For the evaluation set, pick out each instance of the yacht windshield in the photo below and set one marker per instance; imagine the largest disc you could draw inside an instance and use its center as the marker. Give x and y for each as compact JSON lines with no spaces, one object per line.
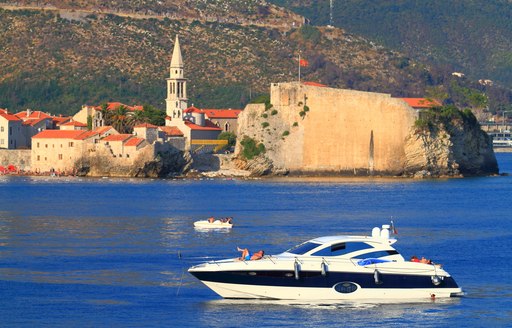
{"x":341,"y":249}
{"x":303,"y":248}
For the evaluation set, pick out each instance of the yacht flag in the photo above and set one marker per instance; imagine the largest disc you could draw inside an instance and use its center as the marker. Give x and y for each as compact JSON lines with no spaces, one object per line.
{"x":395,"y":232}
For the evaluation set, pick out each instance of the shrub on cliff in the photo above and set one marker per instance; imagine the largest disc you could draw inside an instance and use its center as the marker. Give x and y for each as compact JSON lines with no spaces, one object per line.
{"x":250,"y":148}
{"x":445,"y":116}
{"x":262,"y":99}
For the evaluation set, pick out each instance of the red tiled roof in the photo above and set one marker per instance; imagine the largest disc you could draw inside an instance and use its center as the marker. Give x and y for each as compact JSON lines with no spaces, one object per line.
{"x":33,"y":122}
{"x":61,"y":119}
{"x":134,"y":141}
{"x":117,"y":137}
{"x":146,"y":125}
{"x":74,"y":123}
{"x":222,"y":113}
{"x":421,"y":102}
{"x":10,"y":117}
{"x":193,"y":109}
{"x":314,"y":84}
{"x":96,"y":132}
{"x":104,"y":129}
{"x":87,"y":134}
{"x":208,"y":126}
{"x":58,"y":134}
{"x":32,"y":115}
{"x":171,"y":131}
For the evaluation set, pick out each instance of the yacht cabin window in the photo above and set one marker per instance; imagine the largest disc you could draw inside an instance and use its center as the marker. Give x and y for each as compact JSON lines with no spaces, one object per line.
{"x":303,"y":248}
{"x":341,"y":249}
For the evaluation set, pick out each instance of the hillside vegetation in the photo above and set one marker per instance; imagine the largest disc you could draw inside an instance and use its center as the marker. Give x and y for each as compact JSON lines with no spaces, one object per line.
{"x":69,"y":53}
{"x":469,"y":36}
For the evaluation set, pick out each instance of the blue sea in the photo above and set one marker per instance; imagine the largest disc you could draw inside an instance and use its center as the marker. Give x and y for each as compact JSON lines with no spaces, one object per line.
{"x":80,"y":252}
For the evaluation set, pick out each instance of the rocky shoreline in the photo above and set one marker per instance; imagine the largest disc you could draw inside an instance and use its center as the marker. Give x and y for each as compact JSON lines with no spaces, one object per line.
{"x":229,"y":166}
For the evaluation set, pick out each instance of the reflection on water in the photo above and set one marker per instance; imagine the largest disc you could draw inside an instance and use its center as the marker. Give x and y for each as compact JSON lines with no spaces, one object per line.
{"x":364,"y":304}
{"x":325,"y":314}
{"x":206,"y":231}
{"x":124,"y":246}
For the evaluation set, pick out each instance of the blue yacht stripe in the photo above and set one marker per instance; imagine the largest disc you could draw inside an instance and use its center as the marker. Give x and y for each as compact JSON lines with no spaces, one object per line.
{"x":315,"y":279}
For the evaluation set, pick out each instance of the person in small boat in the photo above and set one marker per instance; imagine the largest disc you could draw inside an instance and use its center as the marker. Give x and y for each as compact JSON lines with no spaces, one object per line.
{"x":227,"y":220}
{"x":258,"y":255}
{"x":211,"y":219}
{"x":246,"y":256}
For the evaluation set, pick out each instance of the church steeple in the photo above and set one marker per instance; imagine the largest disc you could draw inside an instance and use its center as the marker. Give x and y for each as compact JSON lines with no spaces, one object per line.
{"x":176,"y":101}
{"x":177,"y":59}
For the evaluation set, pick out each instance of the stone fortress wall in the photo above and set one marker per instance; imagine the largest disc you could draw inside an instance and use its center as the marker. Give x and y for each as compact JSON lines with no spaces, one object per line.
{"x":340,"y":131}
{"x":20,"y":158}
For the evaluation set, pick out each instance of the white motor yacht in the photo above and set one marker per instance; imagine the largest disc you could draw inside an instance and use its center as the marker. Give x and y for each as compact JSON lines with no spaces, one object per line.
{"x":501,"y":139}
{"x":330,"y":268}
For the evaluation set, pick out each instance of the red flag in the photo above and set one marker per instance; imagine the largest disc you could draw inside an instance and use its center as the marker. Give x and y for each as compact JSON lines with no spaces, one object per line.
{"x":303,"y":63}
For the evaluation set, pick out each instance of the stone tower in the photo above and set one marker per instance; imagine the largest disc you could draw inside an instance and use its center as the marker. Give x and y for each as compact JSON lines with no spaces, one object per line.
{"x":176,"y":101}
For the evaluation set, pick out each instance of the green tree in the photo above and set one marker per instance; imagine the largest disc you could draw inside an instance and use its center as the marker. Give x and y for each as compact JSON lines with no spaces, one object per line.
{"x":106,"y":114}
{"x":89,"y":122}
{"x":135,"y":118}
{"x":230,"y":137}
{"x":119,"y":119}
{"x":477,"y":100}
{"x":154,"y":116}
{"x":437,"y":93}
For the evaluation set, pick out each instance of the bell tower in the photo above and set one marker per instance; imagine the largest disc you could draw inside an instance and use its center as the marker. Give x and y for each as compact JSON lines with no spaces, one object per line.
{"x":176,"y":101}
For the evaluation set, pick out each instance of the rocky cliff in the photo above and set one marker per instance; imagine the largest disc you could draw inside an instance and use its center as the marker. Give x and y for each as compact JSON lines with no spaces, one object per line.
{"x":452,"y":144}
{"x":169,"y":163}
{"x":315,"y":130}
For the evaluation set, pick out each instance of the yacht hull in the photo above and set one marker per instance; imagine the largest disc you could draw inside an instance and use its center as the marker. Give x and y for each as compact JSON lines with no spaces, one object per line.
{"x":314,"y":285}
{"x":236,"y":291}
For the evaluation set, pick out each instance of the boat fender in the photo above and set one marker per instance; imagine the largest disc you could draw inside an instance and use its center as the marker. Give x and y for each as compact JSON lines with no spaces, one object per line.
{"x":296,"y":268}
{"x":436,"y":280}
{"x":376,"y":277}
{"x":324,"y":268}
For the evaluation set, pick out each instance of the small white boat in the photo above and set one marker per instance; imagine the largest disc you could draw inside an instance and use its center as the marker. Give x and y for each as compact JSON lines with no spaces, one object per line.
{"x":217,"y":224}
{"x":330,"y":268}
